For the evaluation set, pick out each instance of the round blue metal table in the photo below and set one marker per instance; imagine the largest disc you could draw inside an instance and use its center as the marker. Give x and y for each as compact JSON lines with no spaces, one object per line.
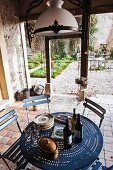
{"x":78,"y":157}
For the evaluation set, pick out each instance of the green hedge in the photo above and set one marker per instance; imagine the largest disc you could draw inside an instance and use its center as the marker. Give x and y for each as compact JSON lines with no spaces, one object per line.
{"x":59,"y":67}
{"x":35,"y":61}
{"x":40,"y":73}
{"x":33,"y":65}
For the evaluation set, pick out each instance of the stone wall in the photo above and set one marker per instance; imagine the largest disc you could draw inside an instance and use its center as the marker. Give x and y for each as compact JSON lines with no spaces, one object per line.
{"x":12,"y":33}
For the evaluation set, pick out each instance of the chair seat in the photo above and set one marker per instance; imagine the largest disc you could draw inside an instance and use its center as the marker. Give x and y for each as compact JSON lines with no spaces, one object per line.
{"x":15,"y":155}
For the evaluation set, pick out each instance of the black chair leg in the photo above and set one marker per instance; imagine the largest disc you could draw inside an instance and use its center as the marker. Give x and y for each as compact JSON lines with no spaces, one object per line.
{"x":6,"y":163}
{"x":110,"y":168}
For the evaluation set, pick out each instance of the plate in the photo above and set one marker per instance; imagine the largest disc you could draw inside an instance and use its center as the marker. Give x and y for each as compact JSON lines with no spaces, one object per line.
{"x":45,"y":121}
{"x":42,"y":119}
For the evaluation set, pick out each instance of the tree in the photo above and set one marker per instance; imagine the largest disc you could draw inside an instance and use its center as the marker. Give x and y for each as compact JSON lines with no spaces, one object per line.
{"x":72,"y":46}
{"x":93,"y":30}
{"x":61,"y":48}
{"x":58,"y":48}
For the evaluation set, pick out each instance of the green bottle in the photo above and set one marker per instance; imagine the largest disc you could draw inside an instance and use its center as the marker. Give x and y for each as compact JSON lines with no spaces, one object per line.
{"x":73,"y":120}
{"x":77,"y":138}
{"x":67,"y":135}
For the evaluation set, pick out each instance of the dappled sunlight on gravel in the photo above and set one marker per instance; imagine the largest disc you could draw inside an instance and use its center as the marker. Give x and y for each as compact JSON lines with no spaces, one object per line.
{"x":99,"y":82}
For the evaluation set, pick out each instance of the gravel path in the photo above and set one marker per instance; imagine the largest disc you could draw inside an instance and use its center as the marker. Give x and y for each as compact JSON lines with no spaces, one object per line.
{"x":99,"y":82}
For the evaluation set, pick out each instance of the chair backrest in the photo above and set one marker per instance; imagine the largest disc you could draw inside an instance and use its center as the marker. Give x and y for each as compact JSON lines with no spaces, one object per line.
{"x":13,"y":153}
{"x":8,"y":118}
{"x":36,"y":100}
{"x":96,"y":108}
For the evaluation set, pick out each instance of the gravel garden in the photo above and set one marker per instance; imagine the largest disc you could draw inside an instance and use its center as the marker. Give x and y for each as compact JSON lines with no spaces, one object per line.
{"x":99,"y":81}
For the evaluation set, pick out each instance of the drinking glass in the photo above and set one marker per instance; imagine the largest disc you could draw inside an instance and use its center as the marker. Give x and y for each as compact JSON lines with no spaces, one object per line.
{"x":34,"y":139}
{"x":35,"y":134}
{"x":28,"y":135}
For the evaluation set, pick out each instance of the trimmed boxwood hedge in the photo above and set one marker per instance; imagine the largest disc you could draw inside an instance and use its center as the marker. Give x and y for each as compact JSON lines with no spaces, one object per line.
{"x":35,"y":61}
{"x":60,"y":65}
{"x":58,"y":68}
{"x":40,"y":73}
{"x":33,"y":65}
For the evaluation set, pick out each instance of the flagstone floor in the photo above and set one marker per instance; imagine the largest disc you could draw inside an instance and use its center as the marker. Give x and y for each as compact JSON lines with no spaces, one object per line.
{"x":64,"y":103}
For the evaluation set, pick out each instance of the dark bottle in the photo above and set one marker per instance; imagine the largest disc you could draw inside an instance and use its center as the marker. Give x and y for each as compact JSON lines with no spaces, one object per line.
{"x":78,"y":135}
{"x":73,"y":121}
{"x":67,"y":135}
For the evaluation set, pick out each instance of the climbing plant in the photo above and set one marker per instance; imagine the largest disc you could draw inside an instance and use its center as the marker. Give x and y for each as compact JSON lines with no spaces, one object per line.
{"x":93,"y":30}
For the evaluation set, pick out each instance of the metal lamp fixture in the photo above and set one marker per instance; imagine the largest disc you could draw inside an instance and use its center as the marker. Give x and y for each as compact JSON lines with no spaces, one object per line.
{"x":55,"y":21}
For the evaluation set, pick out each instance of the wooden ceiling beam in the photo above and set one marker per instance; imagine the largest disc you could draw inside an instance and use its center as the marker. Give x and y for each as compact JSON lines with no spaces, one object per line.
{"x":94,"y":10}
{"x":76,"y":11}
{"x":102,"y":9}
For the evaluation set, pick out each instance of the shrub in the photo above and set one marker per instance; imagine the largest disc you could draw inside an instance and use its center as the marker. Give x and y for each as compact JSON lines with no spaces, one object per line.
{"x":41,"y":73}
{"x":39,"y":58}
{"x":60,"y":65}
{"x":101,"y":68}
{"x":69,"y":57}
{"x":55,"y":57}
{"x":111,"y":55}
{"x":31,"y":65}
{"x":54,"y":73}
{"x":31,"y":59}
{"x":35,"y":61}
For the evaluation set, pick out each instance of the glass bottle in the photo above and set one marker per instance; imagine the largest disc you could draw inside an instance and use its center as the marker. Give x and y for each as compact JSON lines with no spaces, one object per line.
{"x":34,"y":106}
{"x":73,"y":120}
{"x":67,"y":135}
{"x":78,"y":135}
{"x":34,"y":135}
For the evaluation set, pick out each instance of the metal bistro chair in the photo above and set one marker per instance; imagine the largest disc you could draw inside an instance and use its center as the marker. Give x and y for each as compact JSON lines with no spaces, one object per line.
{"x":97,"y":165}
{"x":34,"y":101}
{"x":13,"y":153}
{"x":96,"y":108}
{"x":100,"y":111}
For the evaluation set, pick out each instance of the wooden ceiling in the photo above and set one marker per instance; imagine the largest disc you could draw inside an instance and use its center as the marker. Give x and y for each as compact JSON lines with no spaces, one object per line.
{"x":96,"y":6}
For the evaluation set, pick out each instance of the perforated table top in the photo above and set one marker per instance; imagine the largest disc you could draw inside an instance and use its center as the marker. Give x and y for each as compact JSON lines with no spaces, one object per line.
{"x":79,"y":156}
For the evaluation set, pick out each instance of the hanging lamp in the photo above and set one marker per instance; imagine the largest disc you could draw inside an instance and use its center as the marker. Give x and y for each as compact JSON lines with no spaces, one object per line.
{"x":55,"y":21}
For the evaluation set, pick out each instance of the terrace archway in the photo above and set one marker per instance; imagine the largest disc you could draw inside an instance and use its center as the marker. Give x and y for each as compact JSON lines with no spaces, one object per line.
{"x":85,"y":8}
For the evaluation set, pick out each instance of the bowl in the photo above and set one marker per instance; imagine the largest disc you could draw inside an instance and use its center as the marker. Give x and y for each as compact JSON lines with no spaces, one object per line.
{"x":48,"y":147}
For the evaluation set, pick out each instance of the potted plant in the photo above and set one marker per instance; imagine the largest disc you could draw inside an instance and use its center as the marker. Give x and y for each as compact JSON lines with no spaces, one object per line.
{"x":82,"y":81}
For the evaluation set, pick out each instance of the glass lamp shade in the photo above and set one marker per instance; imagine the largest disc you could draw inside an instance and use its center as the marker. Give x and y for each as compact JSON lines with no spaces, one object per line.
{"x":55,"y":21}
